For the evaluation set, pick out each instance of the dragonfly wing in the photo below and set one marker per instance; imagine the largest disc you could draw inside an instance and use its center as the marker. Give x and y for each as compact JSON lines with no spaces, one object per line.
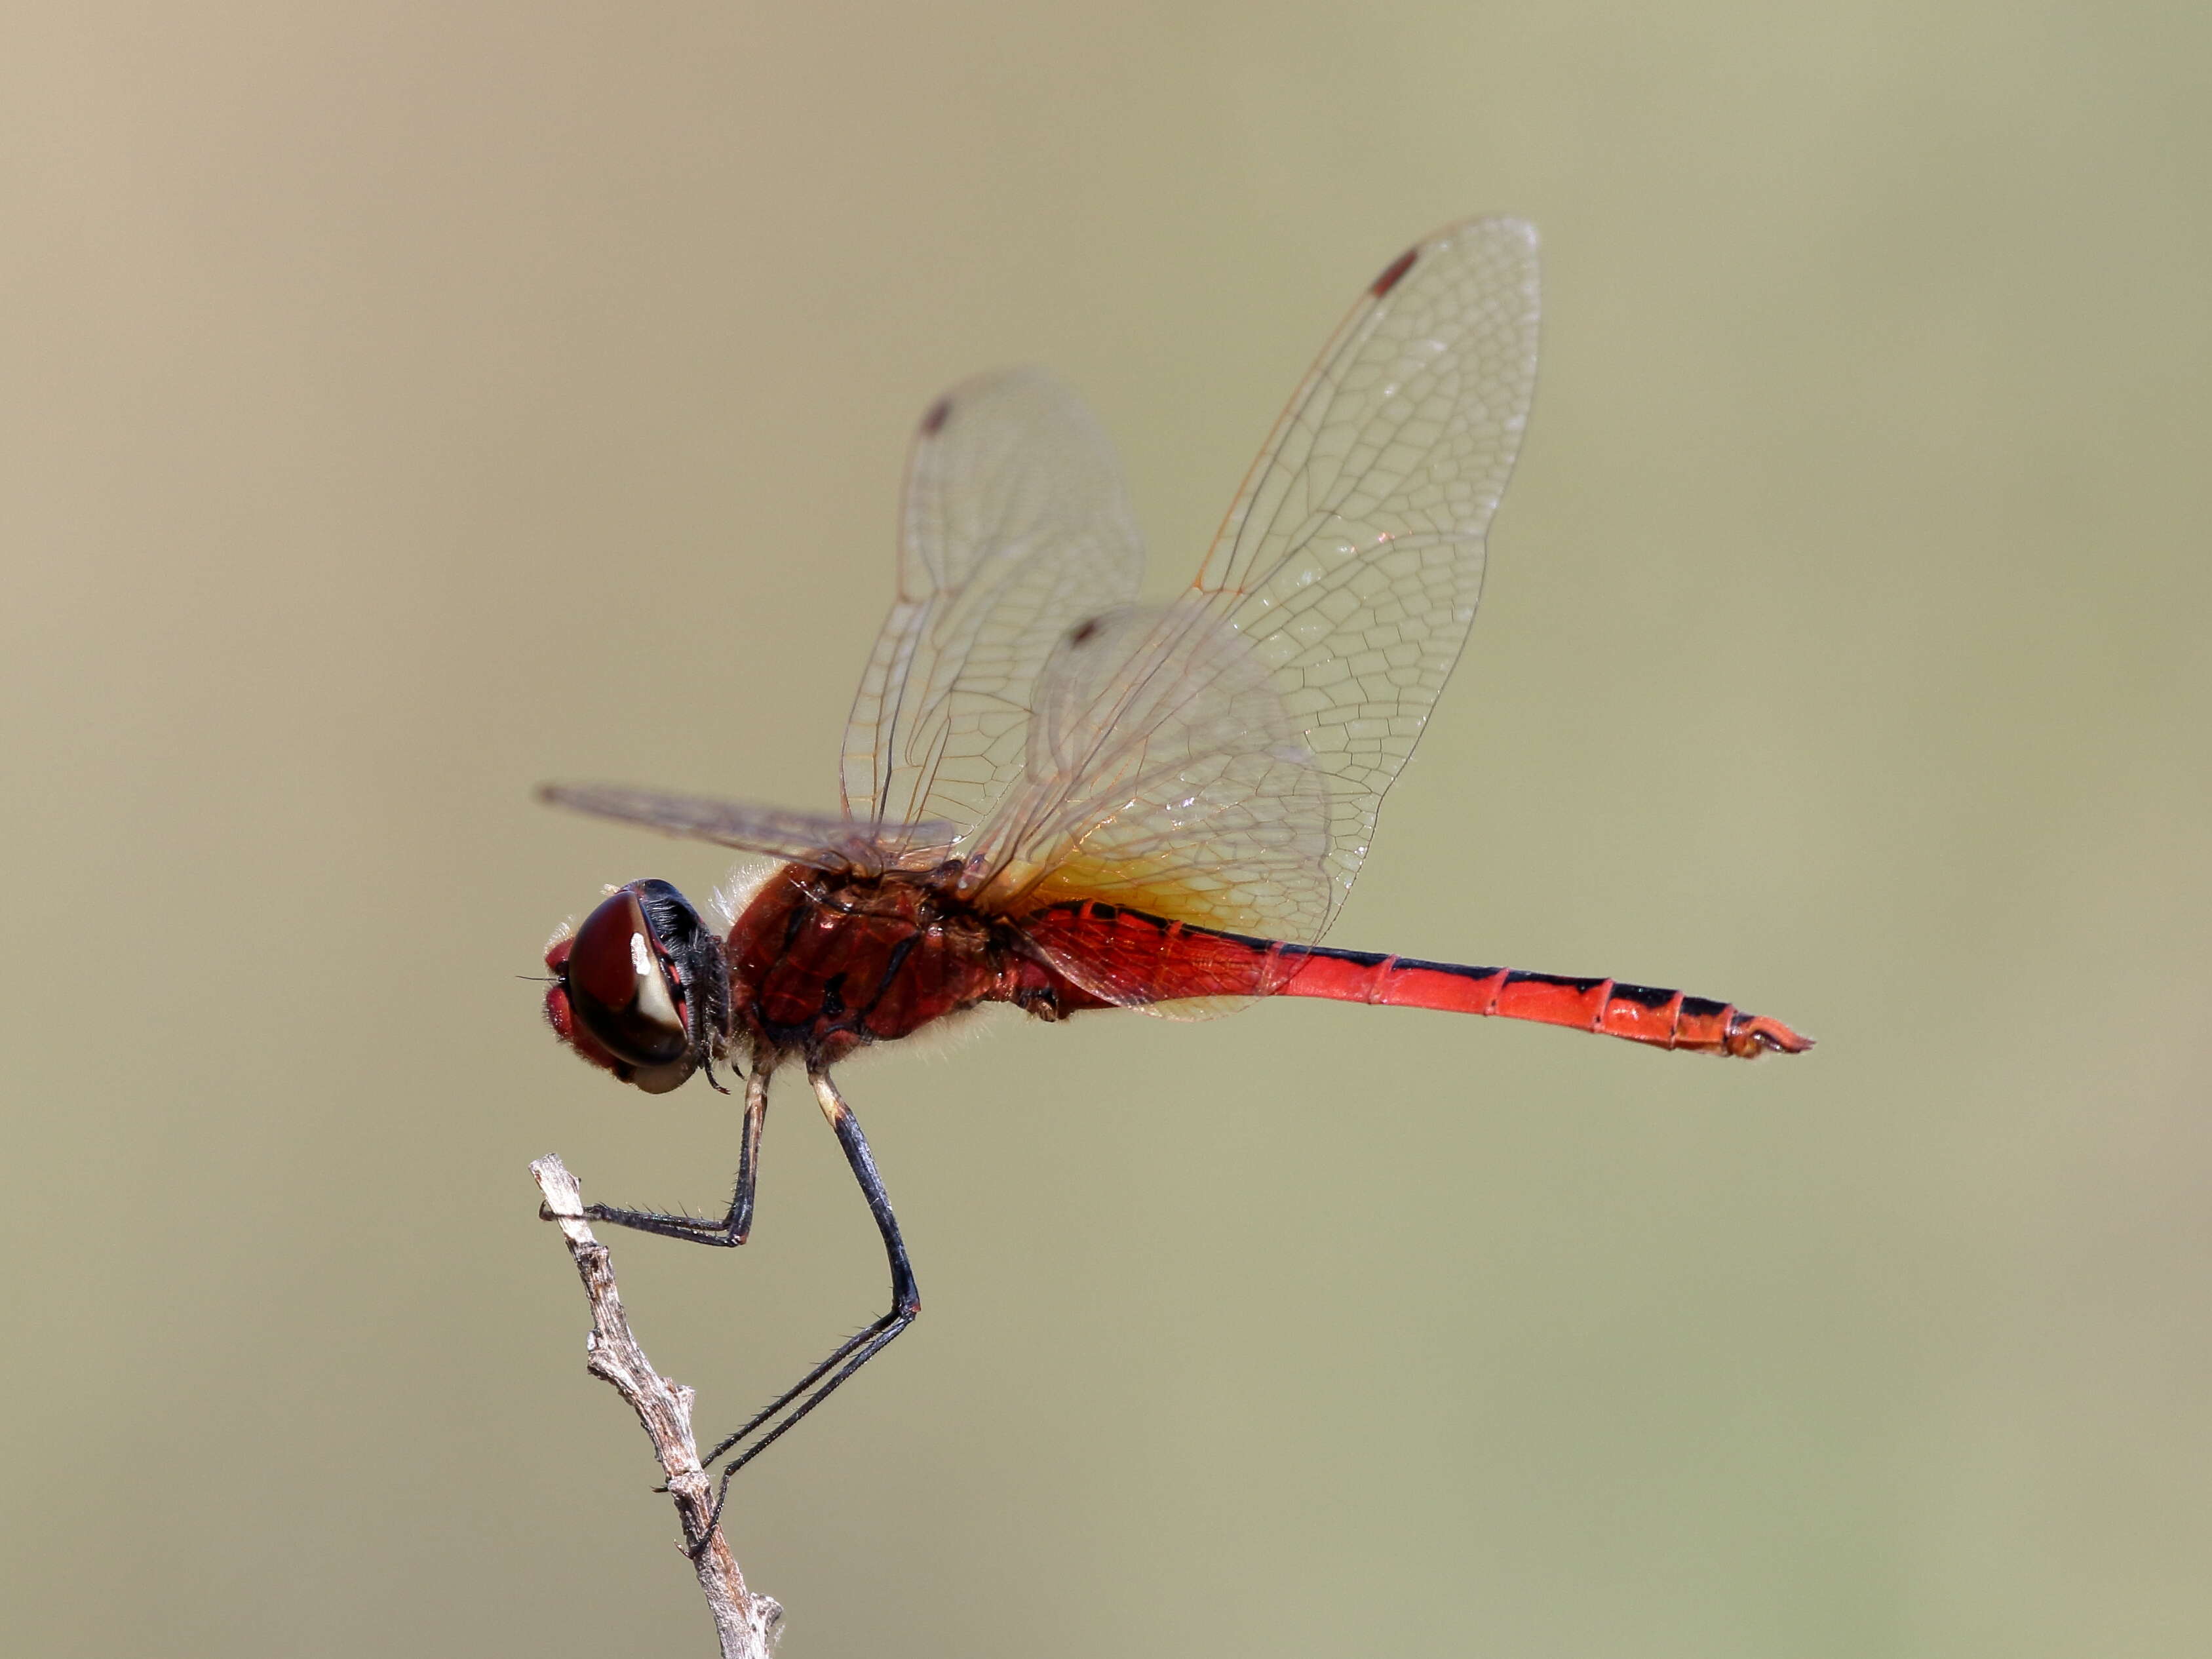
{"x":826,"y":842}
{"x":1015,"y":525}
{"x":1353,"y":557}
{"x":1163,"y":776}
{"x":1222,"y":759}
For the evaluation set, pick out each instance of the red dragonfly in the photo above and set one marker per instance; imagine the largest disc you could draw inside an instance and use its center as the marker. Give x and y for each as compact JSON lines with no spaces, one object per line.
{"x":1061,"y":798}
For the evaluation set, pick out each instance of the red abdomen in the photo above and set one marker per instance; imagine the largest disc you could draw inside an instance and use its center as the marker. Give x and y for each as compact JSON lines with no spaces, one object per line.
{"x":1140,"y":958}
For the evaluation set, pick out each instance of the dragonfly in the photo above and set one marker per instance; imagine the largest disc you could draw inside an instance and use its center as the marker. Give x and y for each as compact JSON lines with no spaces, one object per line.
{"x":1056,"y":797}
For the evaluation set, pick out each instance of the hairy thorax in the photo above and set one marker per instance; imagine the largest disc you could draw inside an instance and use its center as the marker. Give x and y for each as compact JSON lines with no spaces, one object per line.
{"x":822,"y":963}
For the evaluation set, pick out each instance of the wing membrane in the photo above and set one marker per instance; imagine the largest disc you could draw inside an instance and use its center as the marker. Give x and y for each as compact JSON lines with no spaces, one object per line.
{"x":826,"y":842}
{"x":1165,"y":776}
{"x":1353,"y":557}
{"x":1223,"y":761}
{"x":1015,"y":525}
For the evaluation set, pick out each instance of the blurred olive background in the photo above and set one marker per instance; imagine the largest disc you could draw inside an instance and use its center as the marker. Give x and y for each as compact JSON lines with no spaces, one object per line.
{"x":404,"y":404}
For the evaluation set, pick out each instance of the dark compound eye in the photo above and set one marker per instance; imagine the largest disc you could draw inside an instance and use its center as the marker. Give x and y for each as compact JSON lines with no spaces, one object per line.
{"x":620,"y":983}
{"x":644,"y":980}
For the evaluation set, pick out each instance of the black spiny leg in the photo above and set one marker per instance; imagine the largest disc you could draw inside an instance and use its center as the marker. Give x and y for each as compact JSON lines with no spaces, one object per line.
{"x":731,"y":1229}
{"x":856,"y":1350}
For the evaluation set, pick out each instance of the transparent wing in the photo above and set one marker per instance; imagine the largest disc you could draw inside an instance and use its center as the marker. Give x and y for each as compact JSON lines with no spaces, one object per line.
{"x":1239,"y":743}
{"x":1164,"y":775}
{"x":1353,"y":557}
{"x":826,"y":842}
{"x":1015,"y":525}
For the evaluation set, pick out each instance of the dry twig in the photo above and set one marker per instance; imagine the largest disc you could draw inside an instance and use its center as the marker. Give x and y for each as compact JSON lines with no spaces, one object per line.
{"x":747,"y":1622}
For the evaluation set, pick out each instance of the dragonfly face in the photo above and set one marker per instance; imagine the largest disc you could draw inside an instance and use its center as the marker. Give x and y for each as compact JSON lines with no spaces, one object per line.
{"x":642,"y":988}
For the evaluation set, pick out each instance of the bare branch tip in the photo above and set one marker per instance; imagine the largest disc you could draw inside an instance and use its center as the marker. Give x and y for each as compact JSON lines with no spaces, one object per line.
{"x":557,"y":1184}
{"x":748,"y":1624}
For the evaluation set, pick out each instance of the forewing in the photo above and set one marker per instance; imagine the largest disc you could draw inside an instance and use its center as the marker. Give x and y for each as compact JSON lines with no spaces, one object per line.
{"x":1015,"y":525}
{"x":1221,"y":761}
{"x":829,"y":843}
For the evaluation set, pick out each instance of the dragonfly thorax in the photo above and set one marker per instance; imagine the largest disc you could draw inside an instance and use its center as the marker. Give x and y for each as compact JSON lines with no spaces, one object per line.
{"x":822,"y":963}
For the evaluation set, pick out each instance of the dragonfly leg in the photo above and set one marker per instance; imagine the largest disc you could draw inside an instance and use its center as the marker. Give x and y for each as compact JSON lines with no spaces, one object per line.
{"x":782,"y":1414}
{"x":733,"y":1229}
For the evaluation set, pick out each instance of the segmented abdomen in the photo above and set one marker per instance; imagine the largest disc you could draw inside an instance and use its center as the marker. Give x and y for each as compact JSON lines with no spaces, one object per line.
{"x":1641,"y":1013}
{"x":1128,"y":957}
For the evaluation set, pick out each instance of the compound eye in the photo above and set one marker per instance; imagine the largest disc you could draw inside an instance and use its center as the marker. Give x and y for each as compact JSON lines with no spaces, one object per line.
{"x":622,"y":990}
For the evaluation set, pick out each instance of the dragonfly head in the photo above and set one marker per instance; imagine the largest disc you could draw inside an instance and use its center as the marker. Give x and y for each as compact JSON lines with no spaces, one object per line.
{"x":642,"y":988}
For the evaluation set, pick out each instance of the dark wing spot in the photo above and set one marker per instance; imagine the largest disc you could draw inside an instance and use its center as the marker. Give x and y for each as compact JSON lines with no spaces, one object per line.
{"x":933,"y":423}
{"x":1084,"y":631}
{"x":1394,"y":272}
